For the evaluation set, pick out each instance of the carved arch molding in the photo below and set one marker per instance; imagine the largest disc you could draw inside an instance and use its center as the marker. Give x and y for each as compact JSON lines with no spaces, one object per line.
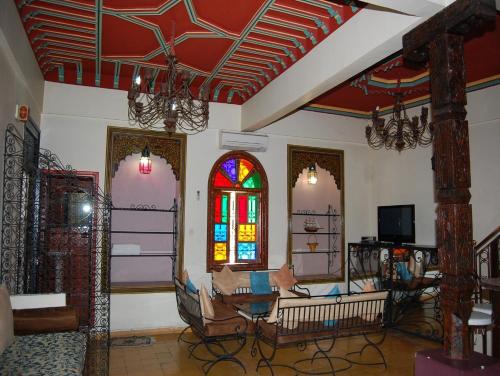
{"x":125,"y":144}
{"x":332,"y":162}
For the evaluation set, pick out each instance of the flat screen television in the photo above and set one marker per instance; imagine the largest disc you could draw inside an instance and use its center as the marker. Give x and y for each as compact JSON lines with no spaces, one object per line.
{"x":396,"y":223}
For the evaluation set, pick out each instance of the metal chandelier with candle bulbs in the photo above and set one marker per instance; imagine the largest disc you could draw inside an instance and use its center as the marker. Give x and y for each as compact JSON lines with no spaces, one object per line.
{"x":400,"y":132}
{"x":170,"y":104}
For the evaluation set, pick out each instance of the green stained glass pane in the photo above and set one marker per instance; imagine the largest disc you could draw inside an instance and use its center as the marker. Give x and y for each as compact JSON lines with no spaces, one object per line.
{"x":252,"y":209}
{"x":224,"y":208}
{"x":253,"y":181}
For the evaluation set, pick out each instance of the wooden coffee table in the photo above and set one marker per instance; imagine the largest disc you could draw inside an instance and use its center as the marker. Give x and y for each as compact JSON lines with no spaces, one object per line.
{"x":254,"y":310}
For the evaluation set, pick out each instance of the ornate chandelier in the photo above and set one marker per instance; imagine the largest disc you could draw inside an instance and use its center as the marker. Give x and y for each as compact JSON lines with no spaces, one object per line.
{"x":400,"y":132}
{"x":173,"y":103}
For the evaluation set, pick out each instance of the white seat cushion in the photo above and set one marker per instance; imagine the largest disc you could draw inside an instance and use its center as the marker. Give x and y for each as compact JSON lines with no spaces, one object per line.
{"x":479,"y":319}
{"x":483,"y":308}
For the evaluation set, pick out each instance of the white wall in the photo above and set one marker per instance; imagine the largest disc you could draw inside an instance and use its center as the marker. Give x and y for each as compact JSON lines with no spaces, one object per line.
{"x":484,"y":121}
{"x":74,"y":125}
{"x":21,"y":80}
{"x":407,"y":177}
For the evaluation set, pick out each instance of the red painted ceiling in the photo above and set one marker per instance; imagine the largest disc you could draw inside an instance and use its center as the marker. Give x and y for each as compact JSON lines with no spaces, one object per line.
{"x":238,"y":46}
{"x":376,"y":86}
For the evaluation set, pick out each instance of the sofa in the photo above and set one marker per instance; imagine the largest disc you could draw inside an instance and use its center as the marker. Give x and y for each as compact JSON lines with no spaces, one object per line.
{"x":40,"y":341}
{"x":296,"y":321}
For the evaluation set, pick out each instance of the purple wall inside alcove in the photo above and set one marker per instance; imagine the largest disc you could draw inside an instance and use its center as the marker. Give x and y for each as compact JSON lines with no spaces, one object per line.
{"x":131,"y":188}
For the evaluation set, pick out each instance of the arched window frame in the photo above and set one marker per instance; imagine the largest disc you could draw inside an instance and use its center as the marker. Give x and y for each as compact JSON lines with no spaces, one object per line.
{"x":261,"y":261}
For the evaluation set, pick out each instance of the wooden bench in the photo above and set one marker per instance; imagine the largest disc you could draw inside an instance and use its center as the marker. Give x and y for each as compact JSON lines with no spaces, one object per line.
{"x":320,"y":320}
{"x":223,"y":336}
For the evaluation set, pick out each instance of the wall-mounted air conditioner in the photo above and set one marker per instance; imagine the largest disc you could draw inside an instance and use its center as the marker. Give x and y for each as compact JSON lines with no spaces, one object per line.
{"x":243,"y":141}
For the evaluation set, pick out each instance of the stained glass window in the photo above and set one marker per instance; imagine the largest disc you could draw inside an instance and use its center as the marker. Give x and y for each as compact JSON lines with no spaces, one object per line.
{"x":253,"y":181}
{"x":245,"y":168}
{"x":246,"y":233}
{"x":220,"y":253}
{"x":229,"y":167}
{"x":220,"y":233}
{"x":237,"y":191}
{"x":222,"y":181}
{"x":246,"y":251}
{"x":242,"y":209}
{"x":224,"y":209}
{"x":217,"y":209}
{"x":252,"y":209}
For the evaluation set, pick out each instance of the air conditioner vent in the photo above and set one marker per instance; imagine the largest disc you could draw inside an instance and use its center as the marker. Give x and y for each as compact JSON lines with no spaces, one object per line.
{"x":243,"y":141}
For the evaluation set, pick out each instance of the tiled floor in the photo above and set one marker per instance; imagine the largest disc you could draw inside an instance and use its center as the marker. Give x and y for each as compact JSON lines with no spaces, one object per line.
{"x":168,"y":357}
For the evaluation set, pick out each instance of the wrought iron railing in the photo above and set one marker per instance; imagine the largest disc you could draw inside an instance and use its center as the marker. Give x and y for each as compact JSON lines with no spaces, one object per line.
{"x":410,"y":273}
{"x":486,"y":261}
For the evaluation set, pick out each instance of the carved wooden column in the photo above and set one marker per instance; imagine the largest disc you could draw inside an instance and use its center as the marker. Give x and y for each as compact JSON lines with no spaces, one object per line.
{"x":440,"y":39}
{"x":451,"y":184}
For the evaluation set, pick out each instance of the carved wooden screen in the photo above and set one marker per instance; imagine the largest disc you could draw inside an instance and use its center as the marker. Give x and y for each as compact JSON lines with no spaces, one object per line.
{"x":237,"y":214}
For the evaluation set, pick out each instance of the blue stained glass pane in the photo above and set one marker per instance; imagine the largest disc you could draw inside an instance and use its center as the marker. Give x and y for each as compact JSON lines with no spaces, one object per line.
{"x":246,"y":251}
{"x":229,"y":167}
{"x":220,"y":233}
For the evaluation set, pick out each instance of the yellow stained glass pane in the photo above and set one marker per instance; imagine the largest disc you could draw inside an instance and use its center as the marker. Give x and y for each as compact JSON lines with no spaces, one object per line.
{"x":220,"y":252}
{"x":245,"y":168}
{"x":246,"y":233}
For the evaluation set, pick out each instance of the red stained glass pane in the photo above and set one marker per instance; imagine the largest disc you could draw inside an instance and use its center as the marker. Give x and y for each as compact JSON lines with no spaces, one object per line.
{"x":242,"y":209}
{"x":217,"y":209}
{"x":222,"y":181}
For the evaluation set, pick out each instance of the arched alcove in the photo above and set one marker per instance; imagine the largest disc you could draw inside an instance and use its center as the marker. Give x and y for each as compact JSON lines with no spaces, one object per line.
{"x":146,"y":236}
{"x":315,"y":213}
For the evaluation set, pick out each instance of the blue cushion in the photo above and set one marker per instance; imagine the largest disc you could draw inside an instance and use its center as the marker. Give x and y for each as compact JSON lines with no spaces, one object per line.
{"x":403,"y":271}
{"x":334,"y":291}
{"x":329,"y":323}
{"x":191,"y":287}
{"x":259,"y":283}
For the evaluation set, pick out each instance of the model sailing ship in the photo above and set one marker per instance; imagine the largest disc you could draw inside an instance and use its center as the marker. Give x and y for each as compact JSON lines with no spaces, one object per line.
{"x":311,"y":224}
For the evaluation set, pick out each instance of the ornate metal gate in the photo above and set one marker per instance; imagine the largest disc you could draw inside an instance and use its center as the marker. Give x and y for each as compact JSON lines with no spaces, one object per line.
{"x":55,"y":238}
